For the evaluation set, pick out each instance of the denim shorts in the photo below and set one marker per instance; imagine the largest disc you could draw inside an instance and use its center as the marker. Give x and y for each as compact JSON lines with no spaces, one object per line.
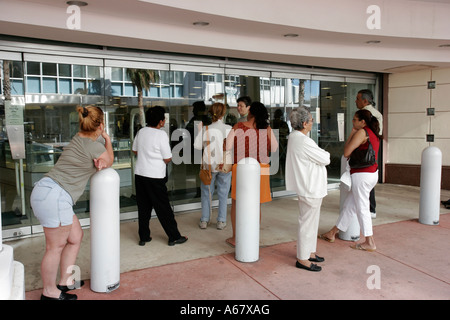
{"x":51,"y":204}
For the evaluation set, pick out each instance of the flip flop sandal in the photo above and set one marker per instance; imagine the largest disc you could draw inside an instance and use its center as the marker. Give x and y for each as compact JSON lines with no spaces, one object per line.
{"x":228,"y":241}
{"x":358,"y":246}
{"x":323,"y":237}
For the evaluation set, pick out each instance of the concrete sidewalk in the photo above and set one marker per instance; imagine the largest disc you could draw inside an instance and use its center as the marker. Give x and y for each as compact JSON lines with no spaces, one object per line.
{"x":411,"y":262}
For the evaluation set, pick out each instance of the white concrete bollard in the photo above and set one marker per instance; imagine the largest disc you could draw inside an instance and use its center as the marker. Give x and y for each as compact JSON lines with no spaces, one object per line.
{"x":105,"y":230}
{"x":247,"y":210}
{"x":12,"y":275}
{"x":1,"y":225}
{"x":430,"y":186}
{"x":353,"y":231}
{"x":6,"y":272}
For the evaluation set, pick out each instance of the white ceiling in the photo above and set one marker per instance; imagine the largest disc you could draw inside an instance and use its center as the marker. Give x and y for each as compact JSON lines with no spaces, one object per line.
{"x":331,"y":33}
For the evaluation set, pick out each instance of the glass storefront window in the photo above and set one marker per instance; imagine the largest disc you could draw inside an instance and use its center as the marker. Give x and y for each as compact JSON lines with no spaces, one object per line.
{"x":330,"y":102}
{"x":13,"y":213}
{"x":53,"y":90}
{"x":33,"y":68}
{"x":47,"y":78}
{"x":65,"y":70}
{"x":79,"y":71}
{"x":116,"y":74}
{"x":333,"y":103}
{"x":49,"y":85}
{"x":33,"y":85}
{"x":199,"y":91}
{"x":49,"y":69}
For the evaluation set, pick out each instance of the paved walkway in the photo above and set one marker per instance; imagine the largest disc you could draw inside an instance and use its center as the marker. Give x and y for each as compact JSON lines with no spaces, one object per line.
{"x":411,"y":262}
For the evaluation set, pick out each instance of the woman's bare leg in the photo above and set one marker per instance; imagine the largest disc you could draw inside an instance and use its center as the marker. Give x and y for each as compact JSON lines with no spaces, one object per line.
{"x":55,"y":242}
{"x":70,"y":252}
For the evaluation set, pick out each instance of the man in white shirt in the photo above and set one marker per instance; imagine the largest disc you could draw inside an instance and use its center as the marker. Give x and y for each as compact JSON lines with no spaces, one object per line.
{"x":151,"y":145}
{"x":364,"y":100}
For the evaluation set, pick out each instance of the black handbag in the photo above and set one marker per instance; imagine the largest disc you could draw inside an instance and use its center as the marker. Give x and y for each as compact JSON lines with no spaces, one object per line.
{"x":362,"y":158}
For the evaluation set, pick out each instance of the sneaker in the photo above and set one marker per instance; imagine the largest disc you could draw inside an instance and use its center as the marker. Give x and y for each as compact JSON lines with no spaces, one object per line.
{"x":374,"y":215}
{"x":221,"y":225}
{"x":203,"y":224}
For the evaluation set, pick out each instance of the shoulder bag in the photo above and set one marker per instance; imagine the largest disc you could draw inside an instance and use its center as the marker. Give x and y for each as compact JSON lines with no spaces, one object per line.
{"x":362,"y":158}
{"x":205,"y":169}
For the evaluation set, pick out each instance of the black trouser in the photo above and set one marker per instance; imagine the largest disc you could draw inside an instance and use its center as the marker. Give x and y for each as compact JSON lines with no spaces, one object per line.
{"x":151,"y":193}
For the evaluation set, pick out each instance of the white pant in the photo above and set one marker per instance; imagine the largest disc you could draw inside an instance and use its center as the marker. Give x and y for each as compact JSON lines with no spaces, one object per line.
{"x":308,"y":225}
{"x":357,"y":203}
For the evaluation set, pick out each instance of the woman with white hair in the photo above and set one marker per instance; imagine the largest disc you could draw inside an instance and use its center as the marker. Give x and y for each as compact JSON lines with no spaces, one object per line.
{"x":307,"y":176}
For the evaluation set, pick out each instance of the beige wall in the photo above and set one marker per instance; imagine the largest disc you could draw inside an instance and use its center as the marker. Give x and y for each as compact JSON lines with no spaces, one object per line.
{"x":408,"y":123}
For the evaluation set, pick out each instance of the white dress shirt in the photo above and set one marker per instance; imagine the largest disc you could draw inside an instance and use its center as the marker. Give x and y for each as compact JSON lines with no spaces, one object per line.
{"x":306,"y":174}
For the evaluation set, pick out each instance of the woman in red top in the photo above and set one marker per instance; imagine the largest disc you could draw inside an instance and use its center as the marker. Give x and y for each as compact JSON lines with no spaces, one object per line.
{"x":363,"y":180}
{"x":253,"y":138}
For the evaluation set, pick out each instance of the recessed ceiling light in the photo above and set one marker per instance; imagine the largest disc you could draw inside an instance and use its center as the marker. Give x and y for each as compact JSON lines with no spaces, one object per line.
{"x":201,"y":23}
{"x":77,"y":3}
{"x":373,"y":41}
{"x":447,"y":45}
{"x":290,"y":35}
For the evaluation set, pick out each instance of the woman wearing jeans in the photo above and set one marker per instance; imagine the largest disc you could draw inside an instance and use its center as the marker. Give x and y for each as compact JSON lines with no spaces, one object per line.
{"x":365,"y":127}
{"x":214,"y":135}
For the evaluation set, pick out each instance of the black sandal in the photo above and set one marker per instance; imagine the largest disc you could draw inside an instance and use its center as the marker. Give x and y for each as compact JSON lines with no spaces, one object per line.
{"x":317,"y":259}
{"x":62,"y":296}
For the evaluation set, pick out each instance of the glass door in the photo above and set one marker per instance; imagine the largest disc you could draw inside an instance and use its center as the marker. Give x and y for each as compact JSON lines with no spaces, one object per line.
{"x":54,"y":87}
{"x":331,"y":137}
{"x":189,"y":106}
{"x":125,"y":108}
{"x":331,"y":100}
{"x":287,"y":94}
{"x":15,"y":217}
{"x":337,"y":106}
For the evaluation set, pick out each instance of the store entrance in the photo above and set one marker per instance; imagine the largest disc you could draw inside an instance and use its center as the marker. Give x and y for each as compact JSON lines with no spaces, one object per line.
{"x":49,"y":87}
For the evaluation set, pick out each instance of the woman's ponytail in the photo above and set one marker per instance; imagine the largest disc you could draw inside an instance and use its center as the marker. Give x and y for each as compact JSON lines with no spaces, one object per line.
{"x":89,"y":118}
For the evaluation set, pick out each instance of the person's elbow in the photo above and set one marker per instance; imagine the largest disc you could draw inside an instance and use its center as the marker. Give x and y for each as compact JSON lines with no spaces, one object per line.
{"x":347,"y":153}
{"x":166,"y":161}
{"x":109,"y":162}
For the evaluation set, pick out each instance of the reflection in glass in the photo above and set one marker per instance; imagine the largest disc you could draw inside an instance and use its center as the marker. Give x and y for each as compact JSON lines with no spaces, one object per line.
{"x":33,"y":68}
{"x":79,"y":86}
{"x":49,"y":69}
{"x":117,"y":74}
{"x":186,"y":96}
{"x":65,"y":70}
{"x":49,"y":85}
{"x":79,"y":71}
{"x":34,"y":85}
